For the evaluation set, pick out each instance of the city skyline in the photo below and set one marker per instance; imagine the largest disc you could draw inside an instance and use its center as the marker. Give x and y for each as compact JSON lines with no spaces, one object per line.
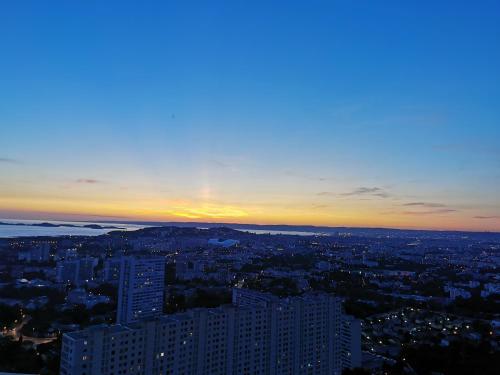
{"x":336,"y":114}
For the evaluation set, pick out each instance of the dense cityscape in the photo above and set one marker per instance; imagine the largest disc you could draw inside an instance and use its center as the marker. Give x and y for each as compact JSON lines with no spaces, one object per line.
{"x":186,"y":300}
{"x":235,"y":187}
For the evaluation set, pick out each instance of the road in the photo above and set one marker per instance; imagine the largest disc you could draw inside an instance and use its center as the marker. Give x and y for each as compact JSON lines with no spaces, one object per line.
{"x":15,"y":333}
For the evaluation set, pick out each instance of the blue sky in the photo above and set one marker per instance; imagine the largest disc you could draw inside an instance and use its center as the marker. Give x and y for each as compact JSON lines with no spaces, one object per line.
{"x":322,"y":112}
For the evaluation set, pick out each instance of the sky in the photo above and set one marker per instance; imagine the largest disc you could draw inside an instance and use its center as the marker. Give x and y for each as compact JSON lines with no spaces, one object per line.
{"x":338,"y":113}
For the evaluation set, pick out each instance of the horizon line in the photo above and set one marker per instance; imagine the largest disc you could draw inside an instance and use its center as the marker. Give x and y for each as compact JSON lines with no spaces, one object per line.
{"x":228,"y":224}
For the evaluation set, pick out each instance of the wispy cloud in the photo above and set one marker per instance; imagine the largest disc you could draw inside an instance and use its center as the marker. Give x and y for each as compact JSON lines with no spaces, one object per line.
{"x":360,"y":192}
{"x":494,"y":217}
{"x":219,"y":163}
{"x":472,"y":147}
{"x":326,"y":194}
{"x":223,"y":165}
{"x":299,"y":175}
{"x":208,"y":211}
{"x":424,"y":204}
{"x":8,"y":160}
{"x":372,"y":191}
{"x":88,"y":181}
{"x":319,"y":206}
{"x":430,"y":212}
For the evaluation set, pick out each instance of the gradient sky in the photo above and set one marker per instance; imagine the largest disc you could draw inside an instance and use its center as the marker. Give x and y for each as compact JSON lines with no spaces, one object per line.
{"x":359,"y":113}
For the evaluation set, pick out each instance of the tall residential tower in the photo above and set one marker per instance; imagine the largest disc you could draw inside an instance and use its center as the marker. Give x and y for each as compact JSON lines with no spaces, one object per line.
{"x":142,"y":285}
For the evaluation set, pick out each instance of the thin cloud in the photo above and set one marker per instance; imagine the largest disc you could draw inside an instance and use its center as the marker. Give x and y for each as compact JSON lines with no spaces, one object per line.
{"x":361,"y":192}
{"x":9,"y":160}
{"x":430,"y":212}
{"x":223,"y":165}
{"x":373,"y":191}
{"x":382,"y":195}
{"x":494,"y":217}
{"x":219,"y":163}
{"x":88,"y":181}
{"x":424,"y":204}
{"x":319,"y":206}
{"x":324,"y":178}
{"x":473,"y":147}
{"x":326,"y":194}
{"x":208,"y":212}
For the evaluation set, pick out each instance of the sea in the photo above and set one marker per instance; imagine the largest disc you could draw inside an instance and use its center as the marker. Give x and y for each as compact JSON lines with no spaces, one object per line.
{"x":29,"y":230}
{"x":78,"y":229}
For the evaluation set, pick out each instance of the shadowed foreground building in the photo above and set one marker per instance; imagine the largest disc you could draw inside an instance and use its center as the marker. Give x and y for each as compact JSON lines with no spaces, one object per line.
{"x":257,"y":334}
{"x":350,"y":336}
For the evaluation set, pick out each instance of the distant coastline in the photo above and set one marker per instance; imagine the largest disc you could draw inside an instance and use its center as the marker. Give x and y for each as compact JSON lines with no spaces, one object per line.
{"x":52,"y":225}
{"x":17,"y":228}
{"x":11,"y":228}
{"x":312,"y":229}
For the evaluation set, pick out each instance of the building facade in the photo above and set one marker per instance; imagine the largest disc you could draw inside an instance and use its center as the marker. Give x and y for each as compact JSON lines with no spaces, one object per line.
{"x":76,"y":271}
{"x":111,"y":272}
{"x":141,"y":290}
{"x":350,"y":335}
{"x":269,"y":336}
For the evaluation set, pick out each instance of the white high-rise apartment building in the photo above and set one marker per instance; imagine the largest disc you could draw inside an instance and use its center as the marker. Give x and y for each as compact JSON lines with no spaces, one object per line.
{"x":141,"y":290}
{"x":258,"y":335}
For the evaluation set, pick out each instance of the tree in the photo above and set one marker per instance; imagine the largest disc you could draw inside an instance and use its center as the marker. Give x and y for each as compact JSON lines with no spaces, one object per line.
{"x":355,"y":371}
